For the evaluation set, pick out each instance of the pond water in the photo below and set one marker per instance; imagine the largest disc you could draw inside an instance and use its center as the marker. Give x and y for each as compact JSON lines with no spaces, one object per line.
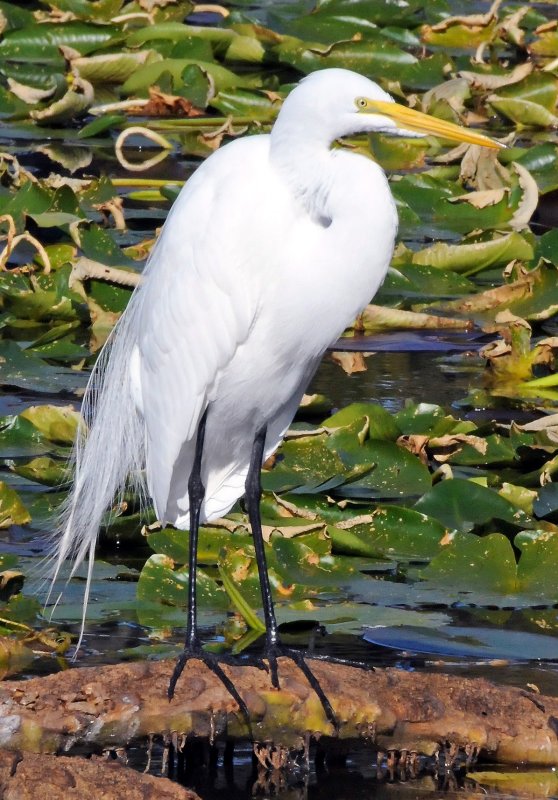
{"x":430,"y":368}
{"x":400,"y":368}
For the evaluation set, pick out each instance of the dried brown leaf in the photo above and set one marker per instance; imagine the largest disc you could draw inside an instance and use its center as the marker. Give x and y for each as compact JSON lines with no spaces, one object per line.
{"x":469,"y":20}
{"x":350,"y":362}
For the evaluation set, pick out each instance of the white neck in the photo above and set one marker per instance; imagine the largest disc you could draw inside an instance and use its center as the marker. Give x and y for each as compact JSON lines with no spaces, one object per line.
{"x":305,"y":162}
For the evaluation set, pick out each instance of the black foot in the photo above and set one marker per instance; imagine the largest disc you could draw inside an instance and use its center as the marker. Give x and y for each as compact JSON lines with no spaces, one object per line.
{"x":213,"y":662}
{"x":273,"y":652}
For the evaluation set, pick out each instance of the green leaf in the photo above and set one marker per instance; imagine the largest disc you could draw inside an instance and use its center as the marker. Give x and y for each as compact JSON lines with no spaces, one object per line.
{"x":238,"y":601}
{"x":331,"y":20}
{"x":40,"y":43}
{"x":19,"y":438}
{"x":475,"y":257}
{"x":415,"y":282}
{"x":196,"y":86}
{"x":395,"y":473}
{"x":150,"y":74}
{"x":177,"y":31}
{"x":245,"y":102}
{"x":25,"y":370}
{"x":59,"y":424}
{"x":426,"y":419}
{"x":15,"y":15}
{"x":100,"y":245}
{"x":12,"y":510}
{"x":538,"y":563}
{"x":463,"y":505}
{"x":474,"y":564}
{"x":43,"y":470}
{"x":380,"y":422}
{"x":101,"y":10}
{"x":160,"y":581}
{"x":73,"y":104}
{"x":111,"y":67}
{"x":105,"y":123}
{"x":306,"y":463}
{"x":212,"y":540}
{"x":523,"y":112}
{"x":389,"y":531}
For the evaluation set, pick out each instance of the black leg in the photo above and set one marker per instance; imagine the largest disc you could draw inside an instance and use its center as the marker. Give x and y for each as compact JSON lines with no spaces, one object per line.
{"x":192,"y":648}
{"x":253,"y":497}
{"x":196,"y":494}
{"x":273,"y":648}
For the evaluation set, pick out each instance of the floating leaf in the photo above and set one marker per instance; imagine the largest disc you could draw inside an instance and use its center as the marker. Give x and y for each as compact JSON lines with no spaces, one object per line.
{"x":12,"y":510}
{"x":477,"y":256}
{"x":40,"y":43}
{"x":379,"y":423}
{"x":389,"y":531}
{"x":57,"y":423}
{"x":74,"y":103}
{"x":160,"y":581}
{"x":462,"y":505}
{"x":473,"y":563}
{"x":43,"y":470}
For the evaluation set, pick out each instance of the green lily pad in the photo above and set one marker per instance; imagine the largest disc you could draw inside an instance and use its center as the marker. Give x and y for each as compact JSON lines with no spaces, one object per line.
{"x":380,"y":423}
{"x":43,"y":470}
{"x":463,"y":505}
{"x":57,"y":423}
{"x":212,"y":540}
{"x":160,"y":581}
{"x":474,"y":563}
{"x":19,"y":438}
{"x":395,"y":473}
{"x":394,"y":532}
{"x":307,"y":464}
{"x":40,"y":43}
{"x":12,"y":510}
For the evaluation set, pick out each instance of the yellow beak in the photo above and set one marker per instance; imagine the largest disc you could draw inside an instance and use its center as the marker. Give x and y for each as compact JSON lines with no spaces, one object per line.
{"x":417,"y":122}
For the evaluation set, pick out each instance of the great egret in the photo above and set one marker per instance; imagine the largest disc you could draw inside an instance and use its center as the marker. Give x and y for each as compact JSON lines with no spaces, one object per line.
{"x":273,"y":246}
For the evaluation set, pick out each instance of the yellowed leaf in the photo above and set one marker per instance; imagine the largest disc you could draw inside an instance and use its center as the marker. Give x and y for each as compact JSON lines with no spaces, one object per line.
{"x":469,"y":20}
{"x":481,"y":199}
{"x":290,"y":531}
{"x":482,"y":171}
{"x":415,"y":443}
{"x":350,"y":362}
{"x":29,"y":94}
{"x":376,"y":318}
{"x":291,"y":510}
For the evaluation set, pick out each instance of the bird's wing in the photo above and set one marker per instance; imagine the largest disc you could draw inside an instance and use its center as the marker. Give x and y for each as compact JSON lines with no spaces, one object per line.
{"x":198,"y":304}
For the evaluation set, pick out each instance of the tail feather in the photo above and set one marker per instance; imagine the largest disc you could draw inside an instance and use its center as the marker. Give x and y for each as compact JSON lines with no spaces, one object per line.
{"x":108,"y":453}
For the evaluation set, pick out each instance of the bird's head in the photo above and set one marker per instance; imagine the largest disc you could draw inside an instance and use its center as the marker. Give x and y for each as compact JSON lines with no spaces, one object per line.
{"x":332,"y":103}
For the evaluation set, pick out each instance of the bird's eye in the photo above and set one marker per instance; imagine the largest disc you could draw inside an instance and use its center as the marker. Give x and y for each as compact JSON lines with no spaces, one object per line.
{"x":361,"y":102}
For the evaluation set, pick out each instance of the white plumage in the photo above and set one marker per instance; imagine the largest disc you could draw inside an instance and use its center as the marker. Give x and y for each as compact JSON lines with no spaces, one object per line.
{"x":272,"y":248}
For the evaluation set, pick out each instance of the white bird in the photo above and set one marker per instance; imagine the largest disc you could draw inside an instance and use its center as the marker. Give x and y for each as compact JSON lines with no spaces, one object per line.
{"x":272,"y":248}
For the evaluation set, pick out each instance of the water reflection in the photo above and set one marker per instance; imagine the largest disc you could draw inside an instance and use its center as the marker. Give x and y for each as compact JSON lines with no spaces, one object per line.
{"x":391,"y":379}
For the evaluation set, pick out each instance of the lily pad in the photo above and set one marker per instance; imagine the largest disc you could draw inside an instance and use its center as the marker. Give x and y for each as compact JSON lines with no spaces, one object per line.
{"x":12,"y":510}
{"x":471,"y":642}
{"x":463,"y":505}
{"x":390,"y":531}
{"x":160,"y":581}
